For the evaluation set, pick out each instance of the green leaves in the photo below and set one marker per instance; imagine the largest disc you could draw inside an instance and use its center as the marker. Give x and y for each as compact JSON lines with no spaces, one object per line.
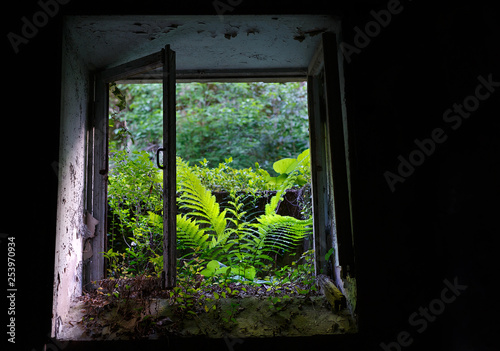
{"x":253,"y":122}
{"x":276,"y":234}
{"x":233,"y":245}
{"x":214,"y":268}
{"x":290,"y":168}
{"x":285,"y":166}
{"x":135,"y":199}
{"x":236,"y":235}
{"x":140,"y":120}
{"x":203,"y":209}
{"x":329,"y":253}
{"x":189,"y":231}
{"x":121,"y":102}
{"x":225,"y":177}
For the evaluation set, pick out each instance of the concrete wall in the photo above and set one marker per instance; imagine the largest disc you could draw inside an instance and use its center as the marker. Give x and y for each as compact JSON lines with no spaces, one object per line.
{"x":71,"y":192}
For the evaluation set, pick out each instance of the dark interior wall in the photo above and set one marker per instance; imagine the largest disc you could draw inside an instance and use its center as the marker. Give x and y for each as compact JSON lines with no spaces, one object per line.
{"x":438,"y":224}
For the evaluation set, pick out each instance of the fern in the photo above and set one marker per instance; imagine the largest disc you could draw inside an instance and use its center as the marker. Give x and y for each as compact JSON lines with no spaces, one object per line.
{"x":204,"y":208}
{"x":225,"y":235}
{"x":276,"y":234}
{"x":191,"y":233}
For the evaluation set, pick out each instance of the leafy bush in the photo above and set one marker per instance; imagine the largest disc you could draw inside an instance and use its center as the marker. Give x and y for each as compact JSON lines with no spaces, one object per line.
{"x":226,"y":178}
{"x":253,"y":122}
{"x":224,"y":236}
{"x":136,"y":122}
{"x":134,"y":190}
{"x":231,"y":235}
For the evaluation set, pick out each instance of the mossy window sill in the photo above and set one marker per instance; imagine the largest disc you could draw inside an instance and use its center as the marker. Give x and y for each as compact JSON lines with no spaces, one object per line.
{"x":248,"y":317}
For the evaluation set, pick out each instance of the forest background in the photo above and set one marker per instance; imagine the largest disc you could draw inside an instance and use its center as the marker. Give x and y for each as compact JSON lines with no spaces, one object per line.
{"x":250,"y":122}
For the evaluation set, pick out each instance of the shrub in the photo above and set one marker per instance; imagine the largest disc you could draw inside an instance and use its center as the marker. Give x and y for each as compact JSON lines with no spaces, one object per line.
{"x":253,"y":122}
{"x":236,"y":237}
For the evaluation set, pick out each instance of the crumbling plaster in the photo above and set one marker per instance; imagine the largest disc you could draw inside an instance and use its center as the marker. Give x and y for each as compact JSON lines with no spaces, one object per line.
{"x":201,"y":42}
{"x":71,"y":169}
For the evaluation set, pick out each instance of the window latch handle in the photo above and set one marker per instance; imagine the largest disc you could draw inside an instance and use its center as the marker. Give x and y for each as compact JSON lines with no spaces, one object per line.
{"x":158,"y":158}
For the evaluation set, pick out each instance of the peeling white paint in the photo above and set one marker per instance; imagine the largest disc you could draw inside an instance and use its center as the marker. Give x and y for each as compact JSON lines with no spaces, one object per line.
{"x":202,"y":42}
{"x":71,"y":171}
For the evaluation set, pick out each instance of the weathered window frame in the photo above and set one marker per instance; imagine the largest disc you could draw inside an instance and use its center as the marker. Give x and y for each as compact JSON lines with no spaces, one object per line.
{"x":328,"y":142}
{"x":97,"y":177}
{"x":332,"y":205}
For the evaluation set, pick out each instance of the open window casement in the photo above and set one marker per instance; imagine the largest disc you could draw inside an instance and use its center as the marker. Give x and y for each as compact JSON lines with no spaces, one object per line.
{"x":94,"y":267}
{"x":333,"y":243}
{"x":333,"y":239}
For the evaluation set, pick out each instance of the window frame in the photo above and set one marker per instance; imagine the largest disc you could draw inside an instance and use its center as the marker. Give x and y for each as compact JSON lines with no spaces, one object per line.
{"x":329,"y":156}
{"x":98,"y":161}
{"x":330,"y":164}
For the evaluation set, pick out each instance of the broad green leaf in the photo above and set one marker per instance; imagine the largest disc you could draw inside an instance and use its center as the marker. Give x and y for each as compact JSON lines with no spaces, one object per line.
{"x":285,"y":165}
{"x":303,"y":155}
{"x":212,"y":266}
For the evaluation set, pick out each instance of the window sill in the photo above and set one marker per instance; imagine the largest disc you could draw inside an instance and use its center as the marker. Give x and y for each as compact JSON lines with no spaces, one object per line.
{"x":248,"y":317}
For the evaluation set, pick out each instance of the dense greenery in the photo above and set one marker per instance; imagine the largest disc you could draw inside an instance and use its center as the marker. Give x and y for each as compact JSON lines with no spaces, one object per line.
{"x":235,"y":240}
{"x":258,"y":124}
{"x":134,"y":189}
{"x":209,"y":233}
{"x":252,"y":122}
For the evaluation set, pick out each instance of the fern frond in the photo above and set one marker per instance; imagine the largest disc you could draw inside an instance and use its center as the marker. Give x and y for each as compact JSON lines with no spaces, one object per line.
{"x":203,"y":207}
{"x":233,"y":235}
{"x":283,"y":232}
{"x":276,"y":234}
{"x":190,"y":232}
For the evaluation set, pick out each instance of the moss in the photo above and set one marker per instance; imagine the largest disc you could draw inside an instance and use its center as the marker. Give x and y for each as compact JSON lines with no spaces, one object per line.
{"x":350,"y":291}
{"x":234,"y":317}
